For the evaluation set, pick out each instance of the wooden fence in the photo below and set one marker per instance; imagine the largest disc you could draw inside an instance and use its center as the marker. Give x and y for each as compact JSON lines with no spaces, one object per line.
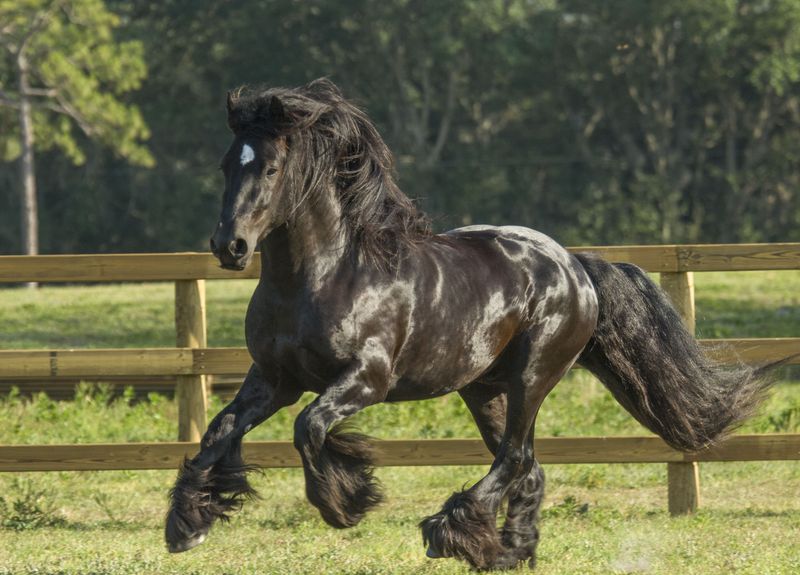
{"x":191,"y":360}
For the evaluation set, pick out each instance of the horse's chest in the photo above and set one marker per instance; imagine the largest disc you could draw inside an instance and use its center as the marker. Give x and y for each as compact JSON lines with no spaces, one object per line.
{"x":297,"y":344}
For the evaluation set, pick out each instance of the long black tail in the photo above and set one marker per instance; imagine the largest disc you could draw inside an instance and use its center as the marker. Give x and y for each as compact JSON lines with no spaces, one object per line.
{"x":656,"y":369}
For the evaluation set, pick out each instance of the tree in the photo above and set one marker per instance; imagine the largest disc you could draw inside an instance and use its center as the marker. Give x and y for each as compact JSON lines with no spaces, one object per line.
{"x":61,"y":81}
{"x":685,"y":113}
{"x":595,"y":122}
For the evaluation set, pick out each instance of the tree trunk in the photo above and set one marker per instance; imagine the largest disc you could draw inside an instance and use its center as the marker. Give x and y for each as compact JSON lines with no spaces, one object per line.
{"x":30,"y":218}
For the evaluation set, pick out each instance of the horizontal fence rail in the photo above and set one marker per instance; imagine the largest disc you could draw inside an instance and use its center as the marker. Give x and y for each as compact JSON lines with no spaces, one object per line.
{"x":18,"y":364}
{"x":191,"y":265}
{"x":399,"y":452}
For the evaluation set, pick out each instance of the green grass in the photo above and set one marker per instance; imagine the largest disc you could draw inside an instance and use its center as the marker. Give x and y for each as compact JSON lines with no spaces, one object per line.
{"x":596,"y":518}
{"x":748,"y":304}
{"x":132,"y":315}
{"x":612,"y":527}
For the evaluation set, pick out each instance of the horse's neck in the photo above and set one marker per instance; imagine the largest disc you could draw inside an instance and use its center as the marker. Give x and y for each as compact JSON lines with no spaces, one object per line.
{"x":309,"y":246}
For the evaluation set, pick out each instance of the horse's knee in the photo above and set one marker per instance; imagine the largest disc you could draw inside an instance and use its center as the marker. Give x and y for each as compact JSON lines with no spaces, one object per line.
{"x":533,"y":480}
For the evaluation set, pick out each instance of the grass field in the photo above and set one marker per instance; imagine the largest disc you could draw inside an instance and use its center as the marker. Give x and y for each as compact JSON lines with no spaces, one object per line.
{"x":596,"y":519}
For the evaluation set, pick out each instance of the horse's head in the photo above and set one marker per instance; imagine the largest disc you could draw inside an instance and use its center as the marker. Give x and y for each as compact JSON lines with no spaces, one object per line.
{"x":291,"y":147}
{"x":254,"y":180}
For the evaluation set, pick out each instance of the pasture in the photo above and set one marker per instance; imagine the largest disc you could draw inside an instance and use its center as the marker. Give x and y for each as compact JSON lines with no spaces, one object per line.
{"x":596,"y":518}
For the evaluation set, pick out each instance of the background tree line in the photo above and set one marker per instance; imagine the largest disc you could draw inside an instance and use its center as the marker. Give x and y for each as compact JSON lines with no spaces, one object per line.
{"x":620,"y":121}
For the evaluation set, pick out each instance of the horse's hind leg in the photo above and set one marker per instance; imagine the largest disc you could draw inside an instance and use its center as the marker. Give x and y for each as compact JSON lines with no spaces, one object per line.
{"x":520,"y":533}
{"x":465,"y":527}
{"x":520,"y":530}
{"x":214,"y":482}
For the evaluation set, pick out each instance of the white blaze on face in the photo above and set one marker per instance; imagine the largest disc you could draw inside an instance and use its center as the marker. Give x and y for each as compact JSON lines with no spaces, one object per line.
{"x":248,"y":155}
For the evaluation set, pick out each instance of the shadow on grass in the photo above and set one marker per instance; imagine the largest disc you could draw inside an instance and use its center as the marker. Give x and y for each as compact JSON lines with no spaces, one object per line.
{"x":102,"y":525}
{"x":290,"y":515}
{"x":749,"y":513}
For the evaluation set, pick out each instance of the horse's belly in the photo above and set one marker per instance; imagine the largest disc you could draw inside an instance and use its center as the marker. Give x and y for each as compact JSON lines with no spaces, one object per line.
{"x":436,"y":372}
{"x":409,"y":389}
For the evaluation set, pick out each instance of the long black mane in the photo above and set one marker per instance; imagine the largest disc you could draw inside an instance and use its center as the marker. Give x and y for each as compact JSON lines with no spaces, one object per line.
{"x":332,"y":140}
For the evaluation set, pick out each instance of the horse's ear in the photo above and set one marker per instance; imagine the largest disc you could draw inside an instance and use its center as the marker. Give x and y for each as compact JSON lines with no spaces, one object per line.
{"x":276,"y":111}
{"x":277,"y":116}
{"x":234,"y":113}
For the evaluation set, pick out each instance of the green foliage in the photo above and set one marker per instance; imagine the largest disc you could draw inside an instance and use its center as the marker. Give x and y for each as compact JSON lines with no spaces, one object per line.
{"x":569,"y":507}
{"x":26,"y":507}
{"x":80,"y":73}
{"x":96,"y":414}
{"x":595,"y":122}
{"x":685,"y":102}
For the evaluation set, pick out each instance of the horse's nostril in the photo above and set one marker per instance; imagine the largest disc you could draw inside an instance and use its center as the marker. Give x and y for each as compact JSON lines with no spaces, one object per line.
{"x":238,"y":247}
{"x":213,"y":245}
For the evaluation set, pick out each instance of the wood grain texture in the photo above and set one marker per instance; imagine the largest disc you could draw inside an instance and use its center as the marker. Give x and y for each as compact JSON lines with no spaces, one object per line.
{"x":117,"y":267}
{"x":739,"y":257}
{"x":193,"y":265}
{"x":190,"y":313}
{"x":95,"y":362}
{"x":190,"y":330}
{"x":658,"y":258}
{"x":683,"y":479}
{"x":223,"y":360}
{"x":394,"y":453}
{"x":41,"y":364}
{"x":679,"y":286}
{"x":754,"y":351}
{"x":683,"y":488}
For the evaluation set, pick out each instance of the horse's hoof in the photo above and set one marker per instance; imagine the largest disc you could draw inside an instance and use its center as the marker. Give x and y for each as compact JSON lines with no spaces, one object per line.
{"x":432,"y":553}
{"x":186,"y":544}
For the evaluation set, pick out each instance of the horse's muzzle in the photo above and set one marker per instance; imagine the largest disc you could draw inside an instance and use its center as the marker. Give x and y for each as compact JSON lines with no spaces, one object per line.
{"x":233,"y":253}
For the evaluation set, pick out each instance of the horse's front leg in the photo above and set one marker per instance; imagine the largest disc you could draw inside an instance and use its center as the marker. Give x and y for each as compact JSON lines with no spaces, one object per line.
{"x":214,"y":482}
{"x":338,"y":463}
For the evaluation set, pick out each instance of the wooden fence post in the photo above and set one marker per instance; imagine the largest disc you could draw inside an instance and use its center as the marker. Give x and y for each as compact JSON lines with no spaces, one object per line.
{"x":190,"y":327}
{"x":683,"y":479}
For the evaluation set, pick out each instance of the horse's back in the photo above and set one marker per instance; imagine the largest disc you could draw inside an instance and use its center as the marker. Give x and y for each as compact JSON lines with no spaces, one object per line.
{"x":547,"y":269}
{"x":516,"y":242}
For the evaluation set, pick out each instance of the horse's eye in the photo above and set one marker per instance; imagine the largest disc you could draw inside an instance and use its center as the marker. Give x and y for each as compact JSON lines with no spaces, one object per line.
{"x":272,"y":171}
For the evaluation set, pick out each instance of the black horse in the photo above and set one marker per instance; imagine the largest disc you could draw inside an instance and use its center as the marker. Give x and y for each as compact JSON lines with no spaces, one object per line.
{"x":360,"y":303}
